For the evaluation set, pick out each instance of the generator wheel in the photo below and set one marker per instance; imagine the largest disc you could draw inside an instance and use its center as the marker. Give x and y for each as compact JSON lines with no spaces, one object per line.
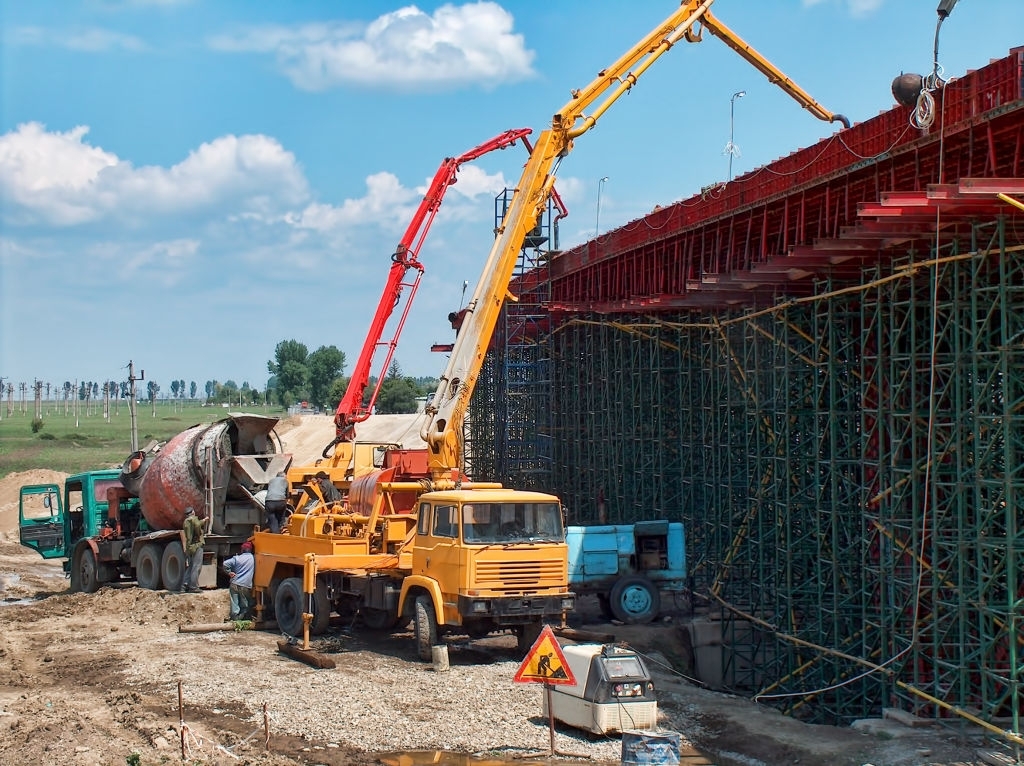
{"x":634,"y":599}
{"x":147,"y":570}
{"x":426,"y":627}
{"x":84,"y":575}
{"x":172,"y":565}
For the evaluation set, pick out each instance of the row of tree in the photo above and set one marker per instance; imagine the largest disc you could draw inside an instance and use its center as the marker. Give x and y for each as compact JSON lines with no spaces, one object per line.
{"x":316,"y":378}
{"x":296,"y":376}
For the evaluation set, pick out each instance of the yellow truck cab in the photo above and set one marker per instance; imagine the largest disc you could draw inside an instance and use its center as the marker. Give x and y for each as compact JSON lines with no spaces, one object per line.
{"x":486,"y":560}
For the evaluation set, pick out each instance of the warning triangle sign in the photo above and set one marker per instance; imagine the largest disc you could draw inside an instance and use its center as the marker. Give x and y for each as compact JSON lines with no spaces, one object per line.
{"x":545,"y":662}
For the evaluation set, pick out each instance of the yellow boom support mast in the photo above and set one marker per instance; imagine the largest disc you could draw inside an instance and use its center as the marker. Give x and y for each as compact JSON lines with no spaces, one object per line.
{"x":444,"y":416}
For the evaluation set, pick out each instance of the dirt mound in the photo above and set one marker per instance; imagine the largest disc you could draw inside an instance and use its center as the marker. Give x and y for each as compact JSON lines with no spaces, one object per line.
{"x":10,"y":487}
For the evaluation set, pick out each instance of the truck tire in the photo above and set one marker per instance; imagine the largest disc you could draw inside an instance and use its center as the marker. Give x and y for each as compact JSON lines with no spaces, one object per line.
{"x":426,"y":627}
{"x":84,"y":575}
{"x":634,"y":599}
{"x":147,"y":568}
{"x":268,"y":597}
{"x":378,"y":619}
{"x":527,"y":635}
{"x":321,"y":612}
{"x":288,"y":606}
{"x":172,"y":565}
{"x":290,"y":603}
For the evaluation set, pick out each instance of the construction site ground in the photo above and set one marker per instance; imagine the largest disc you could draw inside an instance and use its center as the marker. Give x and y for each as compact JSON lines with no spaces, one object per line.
{"x":95,"y":679}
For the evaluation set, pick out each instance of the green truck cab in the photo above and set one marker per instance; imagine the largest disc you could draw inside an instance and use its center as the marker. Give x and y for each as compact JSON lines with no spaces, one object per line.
{"x":74,"y":522}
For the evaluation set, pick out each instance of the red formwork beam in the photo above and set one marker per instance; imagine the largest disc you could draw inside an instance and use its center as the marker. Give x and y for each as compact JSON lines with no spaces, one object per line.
{"x":855,"y":195}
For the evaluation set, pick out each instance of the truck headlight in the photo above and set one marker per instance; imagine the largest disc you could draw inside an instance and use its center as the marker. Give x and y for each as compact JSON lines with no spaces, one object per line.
{"x":568,"y":604}
{"x":480,"y":607}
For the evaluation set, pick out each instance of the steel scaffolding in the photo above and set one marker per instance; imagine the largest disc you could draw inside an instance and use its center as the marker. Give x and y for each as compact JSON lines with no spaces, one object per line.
{"x":848,"y":466}
{"x":508,"y":435}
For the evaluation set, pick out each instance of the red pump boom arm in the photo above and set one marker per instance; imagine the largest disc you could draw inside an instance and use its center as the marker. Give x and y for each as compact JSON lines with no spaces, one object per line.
{"x":351,"y":409}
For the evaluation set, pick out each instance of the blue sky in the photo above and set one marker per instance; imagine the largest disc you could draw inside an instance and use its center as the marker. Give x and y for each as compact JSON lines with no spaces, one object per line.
{"x":185,"y":184}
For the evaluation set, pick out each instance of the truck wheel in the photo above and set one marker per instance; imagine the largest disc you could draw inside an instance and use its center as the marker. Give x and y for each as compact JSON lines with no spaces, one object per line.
{"x":321,"y":612}
{"x":84,"y":577}
{"x":172,"y":565}
{"x":635,"y":599}
{"x":268,"y":597}
{"x":604,"y":605}
{"x":288,"y":606}
{"x":527,"y":635}
{"x":378,"y":619}
{"x":147,"y":570}
{"x":426,"y":627}
{"x":290,"y":603}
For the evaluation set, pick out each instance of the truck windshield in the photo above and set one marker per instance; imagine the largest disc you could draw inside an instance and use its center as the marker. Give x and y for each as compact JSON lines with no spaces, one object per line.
{"x":503,"y":523}
{"x":100,"y":487}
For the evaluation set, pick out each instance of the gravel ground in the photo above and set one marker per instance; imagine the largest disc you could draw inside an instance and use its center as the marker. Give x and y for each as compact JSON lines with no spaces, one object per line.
{"x":379,"y":698}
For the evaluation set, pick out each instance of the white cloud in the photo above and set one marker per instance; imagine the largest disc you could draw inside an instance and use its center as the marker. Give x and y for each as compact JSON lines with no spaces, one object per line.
{"x":162,"y":263}
{"x":386,"y":201}
{"x":86,"y":40}
{"x":457,"y":45}
{"x":57,"y":178}
{"x":473,"y":181}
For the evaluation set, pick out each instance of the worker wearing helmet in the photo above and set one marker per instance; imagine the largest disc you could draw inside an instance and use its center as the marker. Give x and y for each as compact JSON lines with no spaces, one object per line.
{"x":240,"y":568}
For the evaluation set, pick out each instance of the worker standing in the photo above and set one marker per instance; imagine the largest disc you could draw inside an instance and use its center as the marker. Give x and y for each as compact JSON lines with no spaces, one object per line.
{"x":276,"y":501}
{"x":195,"y":538}
{"x":240,"y":568}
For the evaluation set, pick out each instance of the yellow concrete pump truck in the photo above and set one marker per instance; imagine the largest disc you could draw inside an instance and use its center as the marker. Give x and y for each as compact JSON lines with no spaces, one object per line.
{"x":415,"y":539}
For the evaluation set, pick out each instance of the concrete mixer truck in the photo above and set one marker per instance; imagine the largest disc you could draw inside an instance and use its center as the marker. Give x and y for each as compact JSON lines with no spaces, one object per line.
{"x":122,"y":525}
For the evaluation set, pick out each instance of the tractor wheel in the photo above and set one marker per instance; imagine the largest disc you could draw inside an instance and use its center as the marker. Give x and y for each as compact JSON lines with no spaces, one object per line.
{"x":634,"y":600}
{"x":147,"y":569}
{"x":172,"y":565}
{"x":426,"y":627}
{"x":84,"y":575}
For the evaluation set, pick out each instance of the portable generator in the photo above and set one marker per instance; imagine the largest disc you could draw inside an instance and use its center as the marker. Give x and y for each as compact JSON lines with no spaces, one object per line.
{"x":613,"y":690}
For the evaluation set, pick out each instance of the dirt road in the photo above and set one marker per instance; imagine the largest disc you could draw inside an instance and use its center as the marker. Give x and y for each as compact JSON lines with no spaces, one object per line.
{"x":94,"y":678}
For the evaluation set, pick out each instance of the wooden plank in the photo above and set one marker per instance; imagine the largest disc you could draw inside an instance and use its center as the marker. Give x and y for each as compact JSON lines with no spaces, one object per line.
{"x":308,"y":656}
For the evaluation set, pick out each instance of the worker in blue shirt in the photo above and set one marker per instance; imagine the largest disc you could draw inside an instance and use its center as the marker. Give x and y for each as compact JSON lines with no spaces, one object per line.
{"x":240,"y":568}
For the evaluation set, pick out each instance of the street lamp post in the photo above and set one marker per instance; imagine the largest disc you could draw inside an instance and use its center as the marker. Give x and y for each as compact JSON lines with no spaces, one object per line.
{"x":600,"y":186}
{"x":731,"y":149}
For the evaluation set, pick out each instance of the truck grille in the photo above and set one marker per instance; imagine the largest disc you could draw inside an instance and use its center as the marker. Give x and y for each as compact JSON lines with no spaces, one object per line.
{"x":519,"y":575}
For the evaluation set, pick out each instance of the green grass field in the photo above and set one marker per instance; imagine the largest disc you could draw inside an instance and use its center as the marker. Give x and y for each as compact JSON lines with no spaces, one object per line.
{"x":70,"y":445}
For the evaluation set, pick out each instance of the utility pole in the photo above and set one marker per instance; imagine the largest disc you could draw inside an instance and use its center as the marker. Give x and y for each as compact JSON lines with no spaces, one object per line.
{"x":600,"y":186}
{"x":131,"y":403}
{"x":732,"y":150}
